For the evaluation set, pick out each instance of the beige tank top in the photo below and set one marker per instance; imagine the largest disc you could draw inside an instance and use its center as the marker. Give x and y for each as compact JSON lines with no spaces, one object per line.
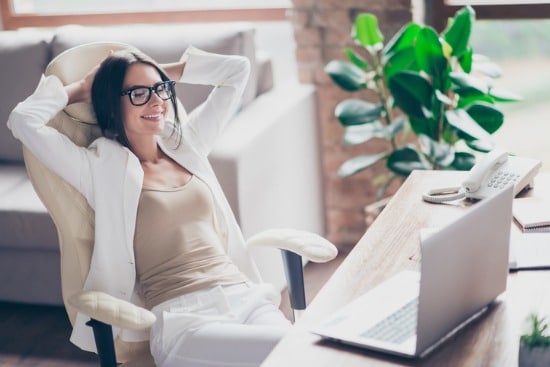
{"x":177,"y":247}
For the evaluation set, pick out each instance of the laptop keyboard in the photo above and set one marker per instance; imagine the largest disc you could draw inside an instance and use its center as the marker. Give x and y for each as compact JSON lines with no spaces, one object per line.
{"x":397,"y":327}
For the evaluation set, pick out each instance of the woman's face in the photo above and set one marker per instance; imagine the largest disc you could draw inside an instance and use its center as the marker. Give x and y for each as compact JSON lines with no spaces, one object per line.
{"x":147,"y":119}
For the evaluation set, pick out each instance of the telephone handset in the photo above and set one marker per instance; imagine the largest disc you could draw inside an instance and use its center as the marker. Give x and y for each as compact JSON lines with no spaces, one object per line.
{"x":490,"y":175}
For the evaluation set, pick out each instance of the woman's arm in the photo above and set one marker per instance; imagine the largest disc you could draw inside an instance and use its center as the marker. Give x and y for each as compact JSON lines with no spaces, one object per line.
{"x":174,"y":70}
{"x":28,"y":124}
{"x":229,"y":75}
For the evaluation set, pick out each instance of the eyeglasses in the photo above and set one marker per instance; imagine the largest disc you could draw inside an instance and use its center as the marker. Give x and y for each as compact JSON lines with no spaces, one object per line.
{"x":140,"y":95}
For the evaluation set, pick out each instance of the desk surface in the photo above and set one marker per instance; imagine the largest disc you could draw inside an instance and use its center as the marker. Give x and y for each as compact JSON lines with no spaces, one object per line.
{"x":391,"y":244}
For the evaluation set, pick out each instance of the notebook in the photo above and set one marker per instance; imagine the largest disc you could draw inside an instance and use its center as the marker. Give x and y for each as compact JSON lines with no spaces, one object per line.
{"x":532,"y":214}
{"x":529,"y":250}
{"x":464,"y":267}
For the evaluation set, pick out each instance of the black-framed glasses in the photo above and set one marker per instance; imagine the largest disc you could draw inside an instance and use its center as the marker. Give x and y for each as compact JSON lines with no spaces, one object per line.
{"x":140,"y":95}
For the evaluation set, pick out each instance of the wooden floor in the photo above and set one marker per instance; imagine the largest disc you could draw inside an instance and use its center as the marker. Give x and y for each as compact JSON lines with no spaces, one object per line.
{"x":38,"y":336}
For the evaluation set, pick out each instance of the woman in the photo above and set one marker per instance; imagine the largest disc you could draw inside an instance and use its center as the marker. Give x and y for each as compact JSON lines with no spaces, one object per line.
{"x":160,"y":214}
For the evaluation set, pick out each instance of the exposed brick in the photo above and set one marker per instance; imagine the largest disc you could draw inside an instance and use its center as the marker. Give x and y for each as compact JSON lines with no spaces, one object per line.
{"x":300,"y":18}
{"x":335,"y":19}
{"x":331,"y":4}
{"x":308,"y":55}
{"x":308,"y":36}
{"x":337,"y":37}
{"x":304,"y":3}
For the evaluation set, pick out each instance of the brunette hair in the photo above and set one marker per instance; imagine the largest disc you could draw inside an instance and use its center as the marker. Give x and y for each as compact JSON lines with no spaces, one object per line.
{"x":106,"y":89}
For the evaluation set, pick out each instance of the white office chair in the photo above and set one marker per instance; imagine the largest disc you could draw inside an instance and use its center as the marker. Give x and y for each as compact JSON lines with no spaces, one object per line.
{"x":74,"y":220}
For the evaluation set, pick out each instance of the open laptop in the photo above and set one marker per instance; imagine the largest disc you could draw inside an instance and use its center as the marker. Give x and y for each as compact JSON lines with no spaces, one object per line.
{"x":464,"y":267}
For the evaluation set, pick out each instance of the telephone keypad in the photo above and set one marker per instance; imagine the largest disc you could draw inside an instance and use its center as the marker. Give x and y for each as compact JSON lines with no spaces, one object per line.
{"x":501,"y":179}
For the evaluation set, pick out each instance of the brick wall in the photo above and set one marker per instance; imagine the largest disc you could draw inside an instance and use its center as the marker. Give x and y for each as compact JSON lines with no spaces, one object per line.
{"x":322,"y":29}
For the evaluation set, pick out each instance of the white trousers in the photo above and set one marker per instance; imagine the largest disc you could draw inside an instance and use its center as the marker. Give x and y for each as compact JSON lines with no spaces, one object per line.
{"x":235,"y":325}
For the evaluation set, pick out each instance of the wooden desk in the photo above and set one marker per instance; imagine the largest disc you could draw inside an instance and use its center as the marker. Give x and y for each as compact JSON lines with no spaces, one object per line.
{"x":391,"y":244}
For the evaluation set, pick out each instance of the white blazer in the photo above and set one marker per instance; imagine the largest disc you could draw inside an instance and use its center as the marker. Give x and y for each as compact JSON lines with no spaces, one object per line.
{"x":110,"y":175}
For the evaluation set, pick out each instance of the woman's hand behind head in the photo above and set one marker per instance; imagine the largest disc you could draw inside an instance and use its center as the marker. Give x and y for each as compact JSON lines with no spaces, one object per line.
{"x":81,"y":90}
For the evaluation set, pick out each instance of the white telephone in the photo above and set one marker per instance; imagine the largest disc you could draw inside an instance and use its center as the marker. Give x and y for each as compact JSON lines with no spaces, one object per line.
{"x":490,"y":175}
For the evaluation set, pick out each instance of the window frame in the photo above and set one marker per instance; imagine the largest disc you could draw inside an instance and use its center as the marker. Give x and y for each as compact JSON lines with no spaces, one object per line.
{"x":12,"y":21}
{"x":437,"y":12}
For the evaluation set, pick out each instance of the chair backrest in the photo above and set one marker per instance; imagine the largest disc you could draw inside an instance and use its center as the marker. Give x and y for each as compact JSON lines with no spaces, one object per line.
{"x":73,"y":217}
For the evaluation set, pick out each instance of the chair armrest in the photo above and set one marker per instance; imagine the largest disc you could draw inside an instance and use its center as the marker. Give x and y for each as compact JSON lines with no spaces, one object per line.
{"x":111,"y":310}
{"x":306,"y":244}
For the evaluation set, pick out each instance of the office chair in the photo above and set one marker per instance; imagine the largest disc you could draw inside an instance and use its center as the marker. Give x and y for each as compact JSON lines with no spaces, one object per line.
{"x":74,"y":220}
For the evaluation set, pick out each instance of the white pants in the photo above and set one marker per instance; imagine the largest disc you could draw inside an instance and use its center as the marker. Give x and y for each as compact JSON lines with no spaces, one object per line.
{"x":235,"y":325}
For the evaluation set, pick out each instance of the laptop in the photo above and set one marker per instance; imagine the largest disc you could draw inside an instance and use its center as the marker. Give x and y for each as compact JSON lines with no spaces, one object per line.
{"x":464,"y":267}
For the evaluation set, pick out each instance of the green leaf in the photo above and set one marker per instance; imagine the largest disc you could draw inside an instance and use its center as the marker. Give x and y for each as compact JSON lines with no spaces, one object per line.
{"x":487,"y":68}
{"x":467,"y":81}
{"x":439,"y":153}
{"x":412,"y":93}
{"x":404,"y":160}
{"x":426,"y":126}
{"x":486,"y":116}
{"x":358,"y":134}
{"x":357,"y":112}
{"x":504,"y":96}
{"x":359,"y":163}
{"x":395,"y":127}
{"x":403,"y":39}
{"x":443,"y":98}
{"x":356,"y":59}
{"x":466,"y":60}
{"x":366,"y":32}
{"x":463,"y":161}
{"x":484,"y":146}
{"x":471,"y":96}
{"x":402,"y":60}
{"x":459,"y":30}
{"x":462,"y":121}
{"x":429,"y":53}
{"x":346,"y":75}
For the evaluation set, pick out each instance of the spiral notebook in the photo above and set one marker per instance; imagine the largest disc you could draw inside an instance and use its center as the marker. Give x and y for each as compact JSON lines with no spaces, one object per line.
{"x":532,"y":214}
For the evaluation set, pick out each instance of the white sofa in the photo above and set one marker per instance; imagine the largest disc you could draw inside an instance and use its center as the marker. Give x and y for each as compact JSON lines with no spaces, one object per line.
{"x":267,"y":160}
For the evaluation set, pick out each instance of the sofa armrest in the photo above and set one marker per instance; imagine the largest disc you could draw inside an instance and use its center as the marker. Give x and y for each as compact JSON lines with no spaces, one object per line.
{"x":111,"y":310}
{"x":268,"y":164}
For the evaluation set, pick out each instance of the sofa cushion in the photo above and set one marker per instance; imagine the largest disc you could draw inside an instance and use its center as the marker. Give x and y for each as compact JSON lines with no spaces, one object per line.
{"x":166,"y":43}
{"x":25,"y":54}
{"x":25,"y":222}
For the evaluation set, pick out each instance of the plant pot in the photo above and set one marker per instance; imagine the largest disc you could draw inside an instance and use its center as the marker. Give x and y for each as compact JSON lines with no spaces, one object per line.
{"x":534,"y":356}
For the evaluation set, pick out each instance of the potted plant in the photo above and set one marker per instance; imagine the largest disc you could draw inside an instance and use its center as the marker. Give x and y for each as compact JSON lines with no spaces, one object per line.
{"x":425,"y":84}
{"x":534,"y":347}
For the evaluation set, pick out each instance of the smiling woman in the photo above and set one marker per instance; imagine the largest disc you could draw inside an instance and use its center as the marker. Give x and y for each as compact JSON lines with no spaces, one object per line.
{"x":33,"y":13}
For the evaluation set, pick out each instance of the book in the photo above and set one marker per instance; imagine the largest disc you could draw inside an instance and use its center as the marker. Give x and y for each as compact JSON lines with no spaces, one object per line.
{"x":532,"y":214}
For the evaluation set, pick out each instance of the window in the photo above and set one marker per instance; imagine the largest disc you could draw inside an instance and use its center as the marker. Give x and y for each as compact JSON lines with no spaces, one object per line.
{"x":522,"y":49}
{"x":438,"y":11}
{"x":47,"y":13}
{"x":114,"y":6}
{"x":516,"y":35}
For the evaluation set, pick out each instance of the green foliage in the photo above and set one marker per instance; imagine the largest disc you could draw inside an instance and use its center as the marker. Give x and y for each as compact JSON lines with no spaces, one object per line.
{"x":425,"y":85}
{"x":537,"y":336}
